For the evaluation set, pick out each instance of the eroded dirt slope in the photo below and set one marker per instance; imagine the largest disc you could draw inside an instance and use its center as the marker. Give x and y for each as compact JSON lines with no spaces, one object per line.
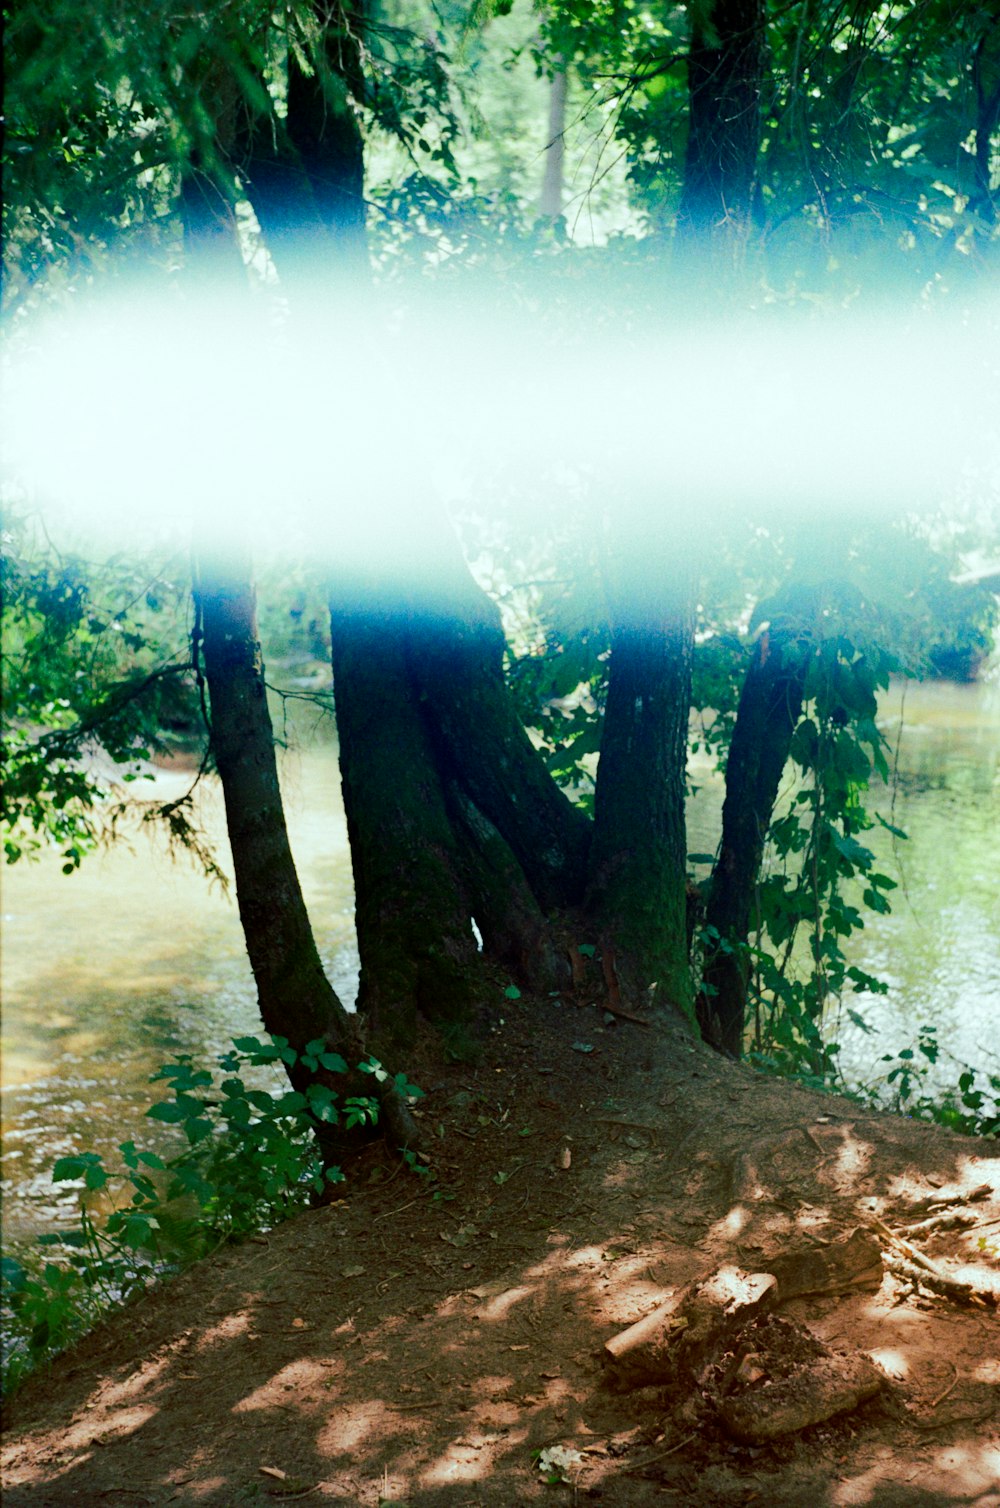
{"x":420,"y":1343}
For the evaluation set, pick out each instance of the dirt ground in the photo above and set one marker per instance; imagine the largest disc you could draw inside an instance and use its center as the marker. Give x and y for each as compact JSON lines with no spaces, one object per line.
{"x":420,"y":1342}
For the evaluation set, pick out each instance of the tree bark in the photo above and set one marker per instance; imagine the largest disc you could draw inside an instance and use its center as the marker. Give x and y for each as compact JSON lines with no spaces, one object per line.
{"x":769,"y":707}
{"x":638,"y":862}
{"x":725,"y":68}
{"x":305,"y":178}
{"x":551,"y":202}
{"x":304,"y":175}
{"x":418,"y":955}
{"x":514,"y":929}
{"x":457,"y":647}
{"x":986,"y":76}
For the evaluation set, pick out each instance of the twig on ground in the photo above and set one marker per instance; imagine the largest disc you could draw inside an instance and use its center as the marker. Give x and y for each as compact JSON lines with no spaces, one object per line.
{"x":659,"y":1456}
{"x":945,"y":1201}
{"x":397,"y":1210}
{"x":909,"y":1251}
{"x":942,"y":1396}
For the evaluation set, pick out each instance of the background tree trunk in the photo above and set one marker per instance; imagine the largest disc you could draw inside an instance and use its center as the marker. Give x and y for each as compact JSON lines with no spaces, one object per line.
{"x":551,"y":201}
{"x":725,"y":68}
{"x":769,"y":707}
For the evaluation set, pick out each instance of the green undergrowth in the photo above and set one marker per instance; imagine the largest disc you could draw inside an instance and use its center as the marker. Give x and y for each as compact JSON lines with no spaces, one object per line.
{"x":909,"y":1083}
{"x":248,"y":1158}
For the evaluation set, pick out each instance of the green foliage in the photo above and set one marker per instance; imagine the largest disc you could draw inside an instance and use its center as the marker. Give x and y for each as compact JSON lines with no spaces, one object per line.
{"x":819,"y":875}
{"x":859,"y":605}
{"x":250,"y":1159}
{"x":971,"y":1105}
{"x":97,"y":681}
{"x":877,"y":130}
{"x":558,"y":662}
{"x":107,"y":110}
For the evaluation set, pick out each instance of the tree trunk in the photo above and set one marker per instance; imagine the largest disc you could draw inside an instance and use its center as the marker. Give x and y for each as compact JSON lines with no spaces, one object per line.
{"x":769,"y":708}
{"x":725,"y":67}
{"x":296,"y":999}
{"x":514,"y":929}
{"x":305,"y":175}
{"x":637,"y":892}
{"x":457,"y":650}
{"x":551,"y":202}
{"x":418,"y":954}
{"x":986,"y":76}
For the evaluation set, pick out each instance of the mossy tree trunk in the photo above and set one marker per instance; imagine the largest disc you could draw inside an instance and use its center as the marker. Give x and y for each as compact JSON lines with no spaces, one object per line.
{"x":444,"y":794}
{"x":638,"y":863}
{"x":453,"y":818}
{"x":304,"y":174}
{"x":457,"y":659}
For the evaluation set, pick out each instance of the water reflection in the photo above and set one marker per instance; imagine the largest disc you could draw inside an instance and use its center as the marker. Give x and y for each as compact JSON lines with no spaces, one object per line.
{"x":940,"y":949}
{"x":109,"y":971}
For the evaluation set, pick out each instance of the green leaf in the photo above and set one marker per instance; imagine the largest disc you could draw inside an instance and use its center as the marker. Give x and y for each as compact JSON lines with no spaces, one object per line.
{"x":15,"y":1276}
{"x":512,"y":992}
{"x":289,"y":1103}
{"x":852,"y":850}
{"x":260,"y":1100}
{"x":168,"y":1111}
{"x":68,"y":1168}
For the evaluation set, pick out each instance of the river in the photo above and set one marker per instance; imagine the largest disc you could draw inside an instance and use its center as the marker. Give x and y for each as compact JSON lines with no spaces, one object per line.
{"x":109,"y":971}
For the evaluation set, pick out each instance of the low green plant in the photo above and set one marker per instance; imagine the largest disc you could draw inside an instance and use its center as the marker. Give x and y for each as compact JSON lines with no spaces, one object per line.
{"x":971,"y":1105}
{"x":250,"y":1158}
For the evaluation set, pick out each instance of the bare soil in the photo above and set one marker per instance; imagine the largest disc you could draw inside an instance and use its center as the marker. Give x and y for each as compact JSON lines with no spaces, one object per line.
{"x":419,"y":1342}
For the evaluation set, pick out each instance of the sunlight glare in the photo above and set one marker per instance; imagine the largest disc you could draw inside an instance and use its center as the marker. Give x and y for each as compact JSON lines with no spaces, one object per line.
{"x":338,"y":432}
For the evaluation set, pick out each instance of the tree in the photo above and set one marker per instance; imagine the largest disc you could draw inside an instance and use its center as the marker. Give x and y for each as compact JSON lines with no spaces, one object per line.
{"x":725,"y":63}
{"x":455,"y":817}
{"x":296,"y":999}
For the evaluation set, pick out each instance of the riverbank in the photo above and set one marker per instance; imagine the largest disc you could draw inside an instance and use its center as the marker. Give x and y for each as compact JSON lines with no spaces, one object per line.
{"x":85,"y":1026}
{"x":417,"y":1343}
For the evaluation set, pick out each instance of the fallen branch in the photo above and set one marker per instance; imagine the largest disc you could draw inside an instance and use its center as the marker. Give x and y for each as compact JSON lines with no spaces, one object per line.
{"x":909,"y":1251}
{"x":695,"y":1325}
{"x":630,"y":1471}
{"x":951,"y":1288}
{"x":942,"y":1396}
{"x":957,"y":1220}
{"x":945,"y":1201}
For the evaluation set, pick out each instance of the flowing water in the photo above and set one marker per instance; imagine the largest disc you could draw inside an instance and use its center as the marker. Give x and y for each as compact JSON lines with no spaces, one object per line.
{"x":110,"y":971}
